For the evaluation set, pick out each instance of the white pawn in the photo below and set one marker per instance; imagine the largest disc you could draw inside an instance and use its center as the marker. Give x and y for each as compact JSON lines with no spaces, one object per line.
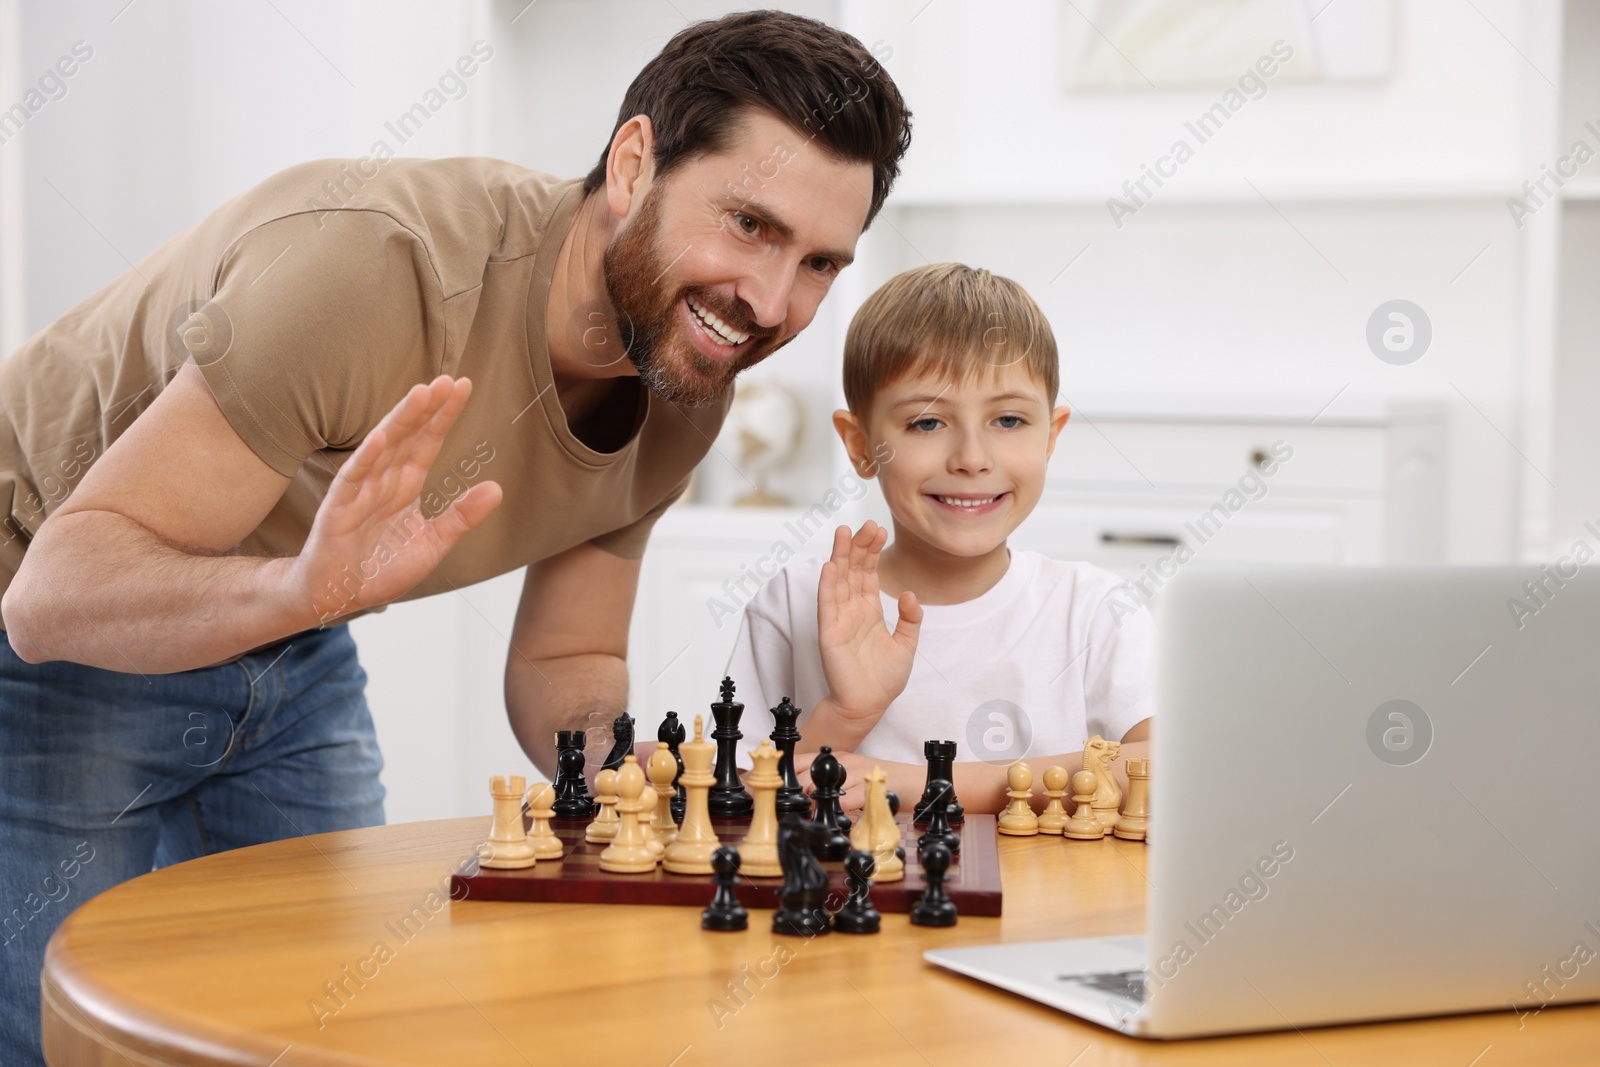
{"x":1054,"y":816}
{"x":661,"y":769}
{"x":604,"y":826}
{"x":1018,"y":819}
{"x":1084,"y":825}
{"x":541,"y":803}
{"x":647,"y":814}
{"x":629,"y":852}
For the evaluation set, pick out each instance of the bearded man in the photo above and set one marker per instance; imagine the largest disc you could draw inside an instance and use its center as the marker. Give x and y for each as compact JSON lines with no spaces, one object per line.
{"x":373,"y":380}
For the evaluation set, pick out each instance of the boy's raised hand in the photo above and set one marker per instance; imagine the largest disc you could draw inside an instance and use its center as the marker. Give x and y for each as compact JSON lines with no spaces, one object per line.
{"x":865,"y":663}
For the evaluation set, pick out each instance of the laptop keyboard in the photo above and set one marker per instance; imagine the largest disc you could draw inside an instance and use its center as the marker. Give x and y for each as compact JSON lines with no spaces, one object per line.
{"x":1126,"y":984}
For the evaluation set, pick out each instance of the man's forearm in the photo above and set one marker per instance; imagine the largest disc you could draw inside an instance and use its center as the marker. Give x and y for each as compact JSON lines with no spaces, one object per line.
{"x":581,"y":692}
{"x":97,"y":588}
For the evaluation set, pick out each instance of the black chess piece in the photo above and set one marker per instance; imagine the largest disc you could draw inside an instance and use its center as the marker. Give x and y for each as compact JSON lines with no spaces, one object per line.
{"x":941,"y":756}
{"x":673,"y":733}
{"x":791,"y":794}
{"x":728,"y":799}
{"x":894,"y":801}
{"x":725,"y":912}
{"x":621,"y":742}
{"x":934,"y":907}
{"x":832,"y":840}
{"x":858,"y":916}
{"x":572,"y":792}
{"x":939,"y":824}
{"x":802,"y":900}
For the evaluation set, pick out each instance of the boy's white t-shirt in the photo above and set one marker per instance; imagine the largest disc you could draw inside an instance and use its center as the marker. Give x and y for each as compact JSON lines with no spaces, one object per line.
{"x":1031,"y":668}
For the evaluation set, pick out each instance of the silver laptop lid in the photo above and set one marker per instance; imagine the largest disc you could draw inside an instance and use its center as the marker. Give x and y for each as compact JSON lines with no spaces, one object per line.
{"x":1375,"y":794}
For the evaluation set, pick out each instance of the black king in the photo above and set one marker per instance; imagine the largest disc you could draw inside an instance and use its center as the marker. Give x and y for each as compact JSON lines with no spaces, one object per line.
{"x":728,"y":798}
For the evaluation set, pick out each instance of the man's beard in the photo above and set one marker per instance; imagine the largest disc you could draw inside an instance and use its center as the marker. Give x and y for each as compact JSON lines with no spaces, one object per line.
{"x":647,"y":316}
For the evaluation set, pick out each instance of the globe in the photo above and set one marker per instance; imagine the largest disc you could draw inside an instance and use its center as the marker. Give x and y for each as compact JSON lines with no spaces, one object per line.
{"x":762,"y":435}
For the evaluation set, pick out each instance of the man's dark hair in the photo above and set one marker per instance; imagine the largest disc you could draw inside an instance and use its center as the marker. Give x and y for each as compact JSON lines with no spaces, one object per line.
{"x":816,"y":78}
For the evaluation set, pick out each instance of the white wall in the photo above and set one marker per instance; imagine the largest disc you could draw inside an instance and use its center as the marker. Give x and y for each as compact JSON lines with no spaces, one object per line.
{"x":996,"y":123}
{"x":183,"y":105}
{"x":186,"y":104}
{"x":1576,"y":382}
{"x":1245,"y":284}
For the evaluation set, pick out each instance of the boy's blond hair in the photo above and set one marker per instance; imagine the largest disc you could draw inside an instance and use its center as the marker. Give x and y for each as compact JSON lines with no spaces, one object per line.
{"x":948,"y":319}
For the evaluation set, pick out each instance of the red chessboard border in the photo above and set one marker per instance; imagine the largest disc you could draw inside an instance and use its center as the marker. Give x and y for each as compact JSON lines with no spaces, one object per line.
{"x":973,"y":881}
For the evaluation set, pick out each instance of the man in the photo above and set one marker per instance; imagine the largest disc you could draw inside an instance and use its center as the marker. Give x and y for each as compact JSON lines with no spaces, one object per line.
{"x":364,"y":381}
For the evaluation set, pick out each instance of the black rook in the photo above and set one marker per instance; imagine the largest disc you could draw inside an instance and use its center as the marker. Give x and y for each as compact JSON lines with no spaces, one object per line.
{"x":572,"y":792}
{"x":941,"y":757}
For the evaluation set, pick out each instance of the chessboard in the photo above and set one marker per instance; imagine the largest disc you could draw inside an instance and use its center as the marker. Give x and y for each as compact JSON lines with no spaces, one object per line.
{"x":973,"y":881}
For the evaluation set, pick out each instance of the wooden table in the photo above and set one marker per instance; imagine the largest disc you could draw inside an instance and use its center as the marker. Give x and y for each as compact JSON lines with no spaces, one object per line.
{"x":222,"y":961}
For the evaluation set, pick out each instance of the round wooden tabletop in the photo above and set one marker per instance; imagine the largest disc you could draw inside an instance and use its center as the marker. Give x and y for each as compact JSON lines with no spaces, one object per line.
{"x":344,"y":949}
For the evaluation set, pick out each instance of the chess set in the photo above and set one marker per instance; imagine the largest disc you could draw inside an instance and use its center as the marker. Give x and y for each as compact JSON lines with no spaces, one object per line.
{"x":684,"y":829}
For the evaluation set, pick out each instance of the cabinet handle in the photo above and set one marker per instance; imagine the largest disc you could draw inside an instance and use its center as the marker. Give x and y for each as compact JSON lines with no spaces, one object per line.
{"x":1111,"y":537}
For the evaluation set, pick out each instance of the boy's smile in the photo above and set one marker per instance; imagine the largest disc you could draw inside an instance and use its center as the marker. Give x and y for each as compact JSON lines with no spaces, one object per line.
{"x":968,"y":465}
{"x":970,"y":505}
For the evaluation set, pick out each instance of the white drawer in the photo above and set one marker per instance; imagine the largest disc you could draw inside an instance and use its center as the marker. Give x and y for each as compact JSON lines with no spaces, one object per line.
{"x":1123,"y":533}
{"x":1162,"y":456}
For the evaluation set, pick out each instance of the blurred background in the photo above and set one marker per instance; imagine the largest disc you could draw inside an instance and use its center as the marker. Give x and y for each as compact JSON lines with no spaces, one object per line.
{"x":1357,"y":236}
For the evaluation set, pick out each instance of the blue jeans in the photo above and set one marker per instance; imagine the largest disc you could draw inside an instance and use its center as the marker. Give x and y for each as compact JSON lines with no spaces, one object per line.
{"x":105,"y":776}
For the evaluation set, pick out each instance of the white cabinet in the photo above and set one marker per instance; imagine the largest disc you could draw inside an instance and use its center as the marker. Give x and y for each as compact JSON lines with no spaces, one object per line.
{"x":1124,"y":491}
{"x":703,"y":565}
{"x":1126,"y":533}
{"x":1142,"y":453}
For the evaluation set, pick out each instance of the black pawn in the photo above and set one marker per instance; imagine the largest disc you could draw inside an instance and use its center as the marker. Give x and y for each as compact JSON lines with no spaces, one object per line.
{"x":832,"y":840}
{"x":939,"y":824}
{"x":941,"y":756}
{"x":858,"y":916}
{"x":725,"y":912}
{"x":621,"y":742}
{"x":572,"y":792}
{"x":894,"y":801}
{"x":728,"y":799}
{"x":791,"y":795}
{"x":802,"y":900}
{"x":934,"y":908}
{"x":673,"y":733}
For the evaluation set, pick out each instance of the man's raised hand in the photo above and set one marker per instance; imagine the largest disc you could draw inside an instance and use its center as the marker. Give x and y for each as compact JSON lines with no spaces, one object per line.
{"x":371,"y":524}
{"x":866,"y":664}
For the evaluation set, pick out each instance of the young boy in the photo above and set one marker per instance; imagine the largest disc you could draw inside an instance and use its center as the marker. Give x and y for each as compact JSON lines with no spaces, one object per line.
{"x":951,"y":375}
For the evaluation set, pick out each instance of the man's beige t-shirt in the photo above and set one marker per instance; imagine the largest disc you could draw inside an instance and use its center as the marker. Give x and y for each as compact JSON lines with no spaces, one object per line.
{"x":312,"y":303}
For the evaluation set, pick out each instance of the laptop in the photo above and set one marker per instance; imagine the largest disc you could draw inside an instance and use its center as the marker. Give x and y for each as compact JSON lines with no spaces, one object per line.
{"x":1374,"y":795}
